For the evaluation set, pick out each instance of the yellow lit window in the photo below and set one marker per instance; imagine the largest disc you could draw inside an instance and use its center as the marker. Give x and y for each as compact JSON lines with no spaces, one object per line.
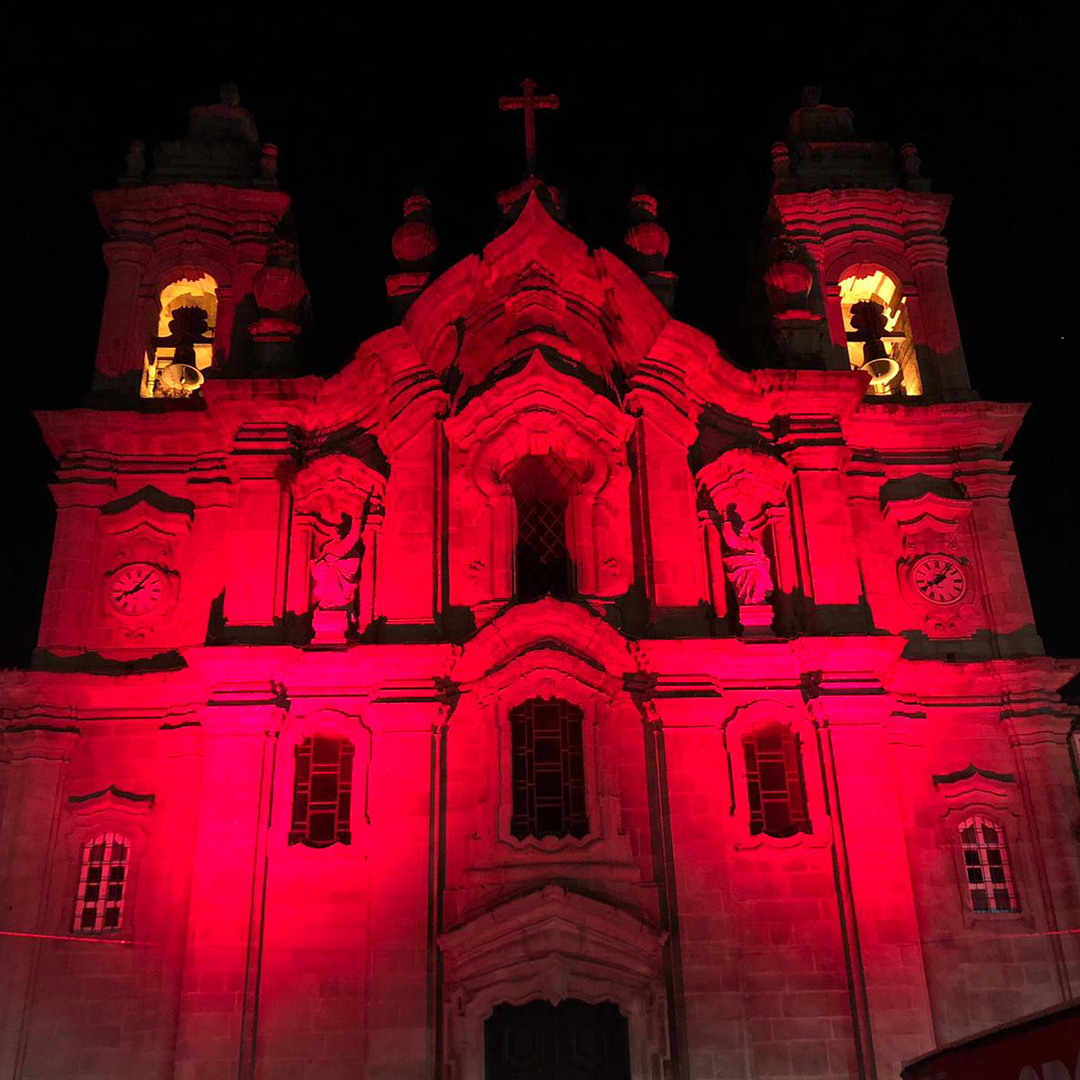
{"x":879,"y":331}
{"x":183,"y":347}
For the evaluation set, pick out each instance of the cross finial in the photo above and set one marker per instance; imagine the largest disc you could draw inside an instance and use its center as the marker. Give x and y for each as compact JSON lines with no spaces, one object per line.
{"x":529,"y":102}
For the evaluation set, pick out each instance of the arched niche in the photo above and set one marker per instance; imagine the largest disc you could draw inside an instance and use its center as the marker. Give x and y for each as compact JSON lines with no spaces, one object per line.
{"x":882,"y":280}
{"x":330,"y":495}
{"x":184,"y":332}
{"x":553,"y":945}
{"x":543,"y":413}
{"x":747,"y":532}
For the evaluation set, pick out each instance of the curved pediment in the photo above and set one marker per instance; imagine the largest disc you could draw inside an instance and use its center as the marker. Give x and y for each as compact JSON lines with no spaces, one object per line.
{"x":546,"y":626}
{"x":536,"y":285}
{"x":540,"y":400}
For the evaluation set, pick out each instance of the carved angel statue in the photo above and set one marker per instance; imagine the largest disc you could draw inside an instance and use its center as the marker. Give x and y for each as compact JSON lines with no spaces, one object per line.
{"x":335,"y":571}
{"x":747,"y":566}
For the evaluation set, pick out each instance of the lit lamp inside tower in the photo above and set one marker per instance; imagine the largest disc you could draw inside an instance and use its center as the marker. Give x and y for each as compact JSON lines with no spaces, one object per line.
{"x":879,"y":331}
{"x":869,"y":329}
{"x":184,"y":345}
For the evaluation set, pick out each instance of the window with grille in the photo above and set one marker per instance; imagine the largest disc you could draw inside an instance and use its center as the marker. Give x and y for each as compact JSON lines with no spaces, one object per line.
{"x":776,"y":791}
{"x":541,"y":488}
{"x":99,"y":903}
{"x":322,"y":792}
{"x":986,"y":863}
{"x":547,"y":770}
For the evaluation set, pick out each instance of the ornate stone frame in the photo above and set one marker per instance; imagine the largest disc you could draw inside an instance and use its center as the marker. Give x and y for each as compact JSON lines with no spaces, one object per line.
{"x":979,"y":791}
{"x":932,"y":524}
{"x":553,"y":945}
{"x":549,"y":674}
{"x":548,"y":649}
{"x":731,"y":730}
{"x":297,"y":728}
{"x":108,"y":810}
{"x":538,"y":410}
{"x":144,"y":531}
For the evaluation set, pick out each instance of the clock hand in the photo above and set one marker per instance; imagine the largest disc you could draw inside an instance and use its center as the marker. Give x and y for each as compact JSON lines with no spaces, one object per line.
{"x":135,"y":588}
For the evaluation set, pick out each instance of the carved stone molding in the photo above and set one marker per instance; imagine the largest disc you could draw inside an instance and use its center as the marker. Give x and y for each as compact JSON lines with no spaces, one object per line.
{"x":553,"y":945}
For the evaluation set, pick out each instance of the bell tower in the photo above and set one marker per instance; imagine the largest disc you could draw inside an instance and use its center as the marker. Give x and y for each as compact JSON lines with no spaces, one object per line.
{"x":855,"y":271}
{"x":203,"y":278}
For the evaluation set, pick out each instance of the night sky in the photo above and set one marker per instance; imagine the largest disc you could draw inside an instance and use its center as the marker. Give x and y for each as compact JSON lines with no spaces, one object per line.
{"x":993,"y":114}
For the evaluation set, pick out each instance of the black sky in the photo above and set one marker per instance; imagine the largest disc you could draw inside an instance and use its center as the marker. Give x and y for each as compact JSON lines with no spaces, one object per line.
{"x":993,"y":113}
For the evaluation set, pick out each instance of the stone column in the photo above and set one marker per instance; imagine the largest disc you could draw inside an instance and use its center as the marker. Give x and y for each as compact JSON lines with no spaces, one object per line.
{"x":937,"y":314}
{"x":255,"y":585}
{"x":219,"y":987}
{"x":994,"y":541}
{"x":35,"y":758}
{"x":665,"y":501}
{"x":120,"y":344}
{"x":885,"y":953}
{"x":408,"y":571}
{"x":830,"y":567}
{"x":1039,"y":741}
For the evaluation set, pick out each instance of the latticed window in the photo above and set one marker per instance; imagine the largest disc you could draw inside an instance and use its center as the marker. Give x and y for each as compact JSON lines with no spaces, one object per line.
{"x":547,"y":770}
{"x":99,"y":903}
{"x":776,"y":792}
{"x":541,"y":487}
{"x":322,"y":794}
{"x":986,"y":863}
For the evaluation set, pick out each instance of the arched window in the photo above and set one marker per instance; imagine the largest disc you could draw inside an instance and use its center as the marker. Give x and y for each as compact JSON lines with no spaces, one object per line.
{"x":775,"y":789}
{"x":541,"y":488}
{"x":183,"y":346}
{"x":986,"y":863}
{"x":322,"y":792}
{"x":879,"y":331}
{"x":547,"y":772}
{"x":103,"y":873}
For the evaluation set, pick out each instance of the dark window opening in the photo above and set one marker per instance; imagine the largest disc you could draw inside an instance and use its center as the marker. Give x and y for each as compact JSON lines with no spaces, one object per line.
{"x":541,"y":488}
{"x":547,"y":770}
{"x":776,"y":791}
{"x":571,"y":1040}
{"x":322,"y":792}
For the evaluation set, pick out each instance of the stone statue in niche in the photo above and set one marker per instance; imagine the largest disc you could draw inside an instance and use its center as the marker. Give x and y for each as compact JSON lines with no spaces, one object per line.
{"x":747,"y":566}
{"x":335,"y":571}
{"x":747,"y":490}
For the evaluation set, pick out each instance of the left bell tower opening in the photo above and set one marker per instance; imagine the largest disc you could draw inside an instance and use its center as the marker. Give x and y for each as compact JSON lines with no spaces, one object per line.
{"x":183,"y":346}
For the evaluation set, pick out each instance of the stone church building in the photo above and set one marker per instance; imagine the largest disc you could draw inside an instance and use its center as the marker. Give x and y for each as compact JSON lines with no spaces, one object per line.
{"x":543,"y":694}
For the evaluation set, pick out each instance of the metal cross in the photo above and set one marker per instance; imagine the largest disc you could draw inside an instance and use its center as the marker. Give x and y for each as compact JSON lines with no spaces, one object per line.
{"x":529,"y":102}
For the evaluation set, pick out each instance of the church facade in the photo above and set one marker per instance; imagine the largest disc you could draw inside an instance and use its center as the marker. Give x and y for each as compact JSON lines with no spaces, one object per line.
{"x":543,"y":693}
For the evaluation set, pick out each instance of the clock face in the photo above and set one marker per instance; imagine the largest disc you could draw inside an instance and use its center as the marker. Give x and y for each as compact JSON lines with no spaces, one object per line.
{"x":939,"y":579}
{"x":136,"y":589}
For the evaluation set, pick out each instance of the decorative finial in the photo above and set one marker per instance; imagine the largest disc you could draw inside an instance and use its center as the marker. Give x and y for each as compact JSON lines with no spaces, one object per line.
{"x":781,"y":160}
{"x":647,"y":244}
{"x":646,"y":235}
{"x":134,"y":162}
{"x":910,"y":160}
{"x":414,"y":245}
{"x":268,"y":162}
{"x":415,"y":239}
{"x":529,"y":102}
{"x":230,"y":95}
{"x":811,"y":97}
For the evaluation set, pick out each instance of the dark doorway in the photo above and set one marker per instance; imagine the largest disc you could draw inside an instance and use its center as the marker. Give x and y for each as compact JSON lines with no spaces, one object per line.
{"x":568,"y":1041}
